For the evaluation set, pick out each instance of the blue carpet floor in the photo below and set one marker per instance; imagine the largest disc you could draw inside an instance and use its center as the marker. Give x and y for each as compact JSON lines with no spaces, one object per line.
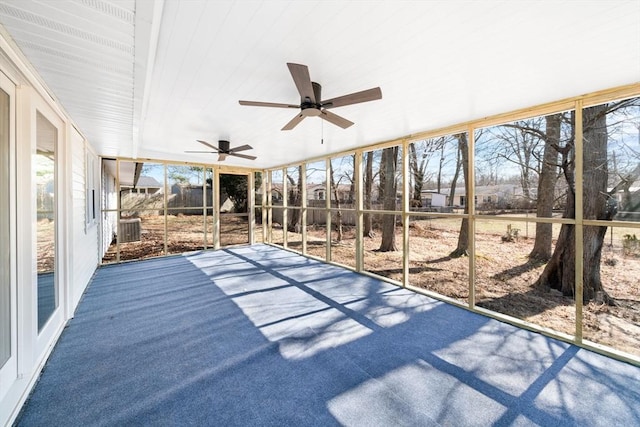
{"x":258,"y":336}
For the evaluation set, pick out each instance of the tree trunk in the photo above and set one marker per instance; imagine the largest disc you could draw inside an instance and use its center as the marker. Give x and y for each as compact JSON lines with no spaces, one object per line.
{"x":390,"y":159}
{"x":295,"y":198}
{"x":440,"y":166}
{"x":352,"y":184}
{"x":454,"y":180}
{"x":368,"y":185}
{"x":463,"y":237}
{"x":546,"y":183}
{"x":559,"y":273}
{"x":417,"y":173}
{"x":334,"y":188}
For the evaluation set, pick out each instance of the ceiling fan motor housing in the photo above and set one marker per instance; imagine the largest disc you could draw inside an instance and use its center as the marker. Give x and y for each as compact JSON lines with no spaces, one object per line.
{"x":224,"y":145}
{"x":306,"y":103}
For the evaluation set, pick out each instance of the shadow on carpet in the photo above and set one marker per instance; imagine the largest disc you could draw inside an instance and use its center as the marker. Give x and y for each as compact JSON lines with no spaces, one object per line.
{"x":263,"y":337}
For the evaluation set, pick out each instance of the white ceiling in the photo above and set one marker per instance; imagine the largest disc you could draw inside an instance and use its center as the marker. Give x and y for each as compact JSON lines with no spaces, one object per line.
{"x":146,"y":79}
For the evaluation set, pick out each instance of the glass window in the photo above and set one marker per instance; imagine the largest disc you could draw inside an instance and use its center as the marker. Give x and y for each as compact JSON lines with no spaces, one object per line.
{"x":5,"y":242}
{"x":91,"y":185}
{"x":45,"y":179}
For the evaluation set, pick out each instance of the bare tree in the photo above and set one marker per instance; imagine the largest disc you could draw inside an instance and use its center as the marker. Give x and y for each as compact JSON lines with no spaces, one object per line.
{"x":336,"y":195}
{"x":420,"y":153}
{"x":546,"y":183}
{"x":441,"y":165}
{"x":417,"y":169}
{"x":521,"y":143}
{"x":294,"y":199}
{"x":463,"y":237}
{"x":368,"y":186}
{"x":388,"y":170}
{"x":456,"y":175}
{"x":351,"y":178}
{"x":559,"y":272}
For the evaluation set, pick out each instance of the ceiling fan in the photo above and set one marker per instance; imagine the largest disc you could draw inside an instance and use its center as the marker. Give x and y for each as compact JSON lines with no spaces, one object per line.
{"x":223,"y":149}
{"x":311,"y":103}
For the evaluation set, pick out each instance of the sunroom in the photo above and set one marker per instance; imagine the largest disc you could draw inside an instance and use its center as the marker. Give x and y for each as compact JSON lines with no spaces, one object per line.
{"x":437,"y":223}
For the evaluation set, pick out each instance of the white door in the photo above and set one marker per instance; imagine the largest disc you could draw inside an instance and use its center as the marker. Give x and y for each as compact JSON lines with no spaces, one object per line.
{"x":48,"y":184}
{"x":8,"y":316}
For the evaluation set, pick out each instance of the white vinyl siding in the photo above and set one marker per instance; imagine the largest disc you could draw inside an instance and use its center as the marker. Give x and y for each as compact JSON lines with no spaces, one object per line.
{"x":85,"y":236}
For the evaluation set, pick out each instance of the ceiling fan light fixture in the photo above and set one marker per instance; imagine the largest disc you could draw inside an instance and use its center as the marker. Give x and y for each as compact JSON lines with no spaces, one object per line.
{"x":311,"y":112}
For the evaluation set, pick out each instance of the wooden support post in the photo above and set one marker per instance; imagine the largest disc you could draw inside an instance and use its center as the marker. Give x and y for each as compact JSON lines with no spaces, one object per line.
{"x":579,"y":209}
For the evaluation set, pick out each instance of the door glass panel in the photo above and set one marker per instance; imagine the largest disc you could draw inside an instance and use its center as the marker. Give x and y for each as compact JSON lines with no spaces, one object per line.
{"x":45,"y":177}
{"x":5,"y":249}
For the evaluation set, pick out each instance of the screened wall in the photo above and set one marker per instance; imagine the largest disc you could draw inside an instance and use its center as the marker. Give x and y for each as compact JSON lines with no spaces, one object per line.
{"x":532,"y":217}
{"x":158,"y":208}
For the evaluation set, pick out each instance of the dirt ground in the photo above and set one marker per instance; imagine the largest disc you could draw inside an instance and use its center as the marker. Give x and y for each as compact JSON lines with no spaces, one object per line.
{"x":185,"y":234}
{"x":504,"y":280}
{"x":504,"y":275}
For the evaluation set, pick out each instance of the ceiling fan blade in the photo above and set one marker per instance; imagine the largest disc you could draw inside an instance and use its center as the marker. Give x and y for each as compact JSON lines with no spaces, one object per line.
{"x":353,"y":98}
{"x":192,"y":151}
{"x":335,"y":119}
{"x":222,"y":156}
{"x":241,"y":148}
{"x":208,"y":145}
{"x":244,"y":156}
{"x":267,"y":104}
{"x":294,"y":122}
{"x":300,"y":74}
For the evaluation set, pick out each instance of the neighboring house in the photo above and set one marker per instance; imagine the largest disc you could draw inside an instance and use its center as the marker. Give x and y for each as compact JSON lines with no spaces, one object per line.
{"x":317,"y":192}
{"x":496,"y":196}
{"x":343,"y":191}
{"x":431,"y":198}
{"x":314,"y":192}
{"x":501,"y":195}
{"x":144,"y":185}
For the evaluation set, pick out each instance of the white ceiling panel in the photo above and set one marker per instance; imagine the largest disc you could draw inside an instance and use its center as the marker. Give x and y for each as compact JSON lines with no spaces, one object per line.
{"x":84,"y":51}
{"x":148,"y":79}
